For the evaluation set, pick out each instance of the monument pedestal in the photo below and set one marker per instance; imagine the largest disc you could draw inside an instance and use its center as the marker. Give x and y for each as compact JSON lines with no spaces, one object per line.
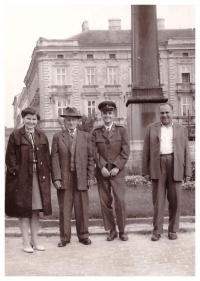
{"x":141,"y":113}
{"x":146,"y":92}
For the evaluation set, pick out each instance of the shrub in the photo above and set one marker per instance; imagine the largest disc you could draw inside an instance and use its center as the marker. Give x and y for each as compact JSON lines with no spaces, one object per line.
{"x":136,"y":180}
{"x":87,"y":123}
{"x":133,"y":170}
{"x":188,"y":186}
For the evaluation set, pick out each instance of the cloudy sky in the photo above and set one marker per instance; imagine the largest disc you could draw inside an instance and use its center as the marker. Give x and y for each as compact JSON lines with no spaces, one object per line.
{"x":24,"y":24}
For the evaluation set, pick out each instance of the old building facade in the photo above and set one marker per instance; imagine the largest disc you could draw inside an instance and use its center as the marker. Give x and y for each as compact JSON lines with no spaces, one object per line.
{"x":95,"y":65}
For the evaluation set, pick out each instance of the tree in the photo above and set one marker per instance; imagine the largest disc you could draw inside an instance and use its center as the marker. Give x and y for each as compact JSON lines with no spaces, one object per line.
{"x":87,"y":123}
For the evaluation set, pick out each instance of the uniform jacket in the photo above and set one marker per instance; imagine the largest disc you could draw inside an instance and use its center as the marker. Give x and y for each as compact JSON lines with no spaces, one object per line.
{"x":111,"y":150}
{"x":151,"y":152}
{"x":19,"y":160}
{"x":60,"y":159}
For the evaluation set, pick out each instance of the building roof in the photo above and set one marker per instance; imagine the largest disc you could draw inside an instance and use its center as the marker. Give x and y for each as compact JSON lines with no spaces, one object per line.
{"x":103,"y":37}
{"x":165,"y":34}
{"x":95,"y":38}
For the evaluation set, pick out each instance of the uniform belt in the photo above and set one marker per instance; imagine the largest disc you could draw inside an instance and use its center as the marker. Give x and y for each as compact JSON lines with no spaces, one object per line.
{"x":163,"y":155}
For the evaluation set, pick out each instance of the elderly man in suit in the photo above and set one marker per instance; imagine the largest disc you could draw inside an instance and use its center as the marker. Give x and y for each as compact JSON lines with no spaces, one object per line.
{"x":72,"y":163}
{"x":166,"y":161}
{"x":111,"y":146}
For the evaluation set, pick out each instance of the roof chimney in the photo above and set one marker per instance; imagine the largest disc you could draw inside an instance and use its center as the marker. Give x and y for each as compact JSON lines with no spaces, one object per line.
{"x":114,"y":24}
{"x":161,"y":24}
{"x":85,"y":26}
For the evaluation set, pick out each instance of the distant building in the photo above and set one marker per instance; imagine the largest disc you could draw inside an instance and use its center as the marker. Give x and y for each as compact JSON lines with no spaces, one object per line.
{"x":95,"y":65}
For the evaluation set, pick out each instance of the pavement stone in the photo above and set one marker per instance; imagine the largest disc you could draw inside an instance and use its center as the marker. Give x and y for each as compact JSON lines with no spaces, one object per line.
{"x":138,"y":256}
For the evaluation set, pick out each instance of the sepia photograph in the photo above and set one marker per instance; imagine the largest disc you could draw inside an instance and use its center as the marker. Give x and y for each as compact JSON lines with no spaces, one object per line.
{"x":98,"y":152}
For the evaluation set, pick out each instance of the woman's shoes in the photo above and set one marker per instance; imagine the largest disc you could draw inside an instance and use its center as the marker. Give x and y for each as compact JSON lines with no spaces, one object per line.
{"x":28,"y":250}
{"x":38,"y":248}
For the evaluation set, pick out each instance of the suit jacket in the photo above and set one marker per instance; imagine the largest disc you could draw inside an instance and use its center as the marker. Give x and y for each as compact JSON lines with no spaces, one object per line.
{"x":111,"y":150}
{"x":60,"y":159}
{"x":151,"y":152}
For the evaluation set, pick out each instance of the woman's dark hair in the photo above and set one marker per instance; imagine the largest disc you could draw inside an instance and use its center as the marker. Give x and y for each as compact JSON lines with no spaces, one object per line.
{"x":30,"y":110}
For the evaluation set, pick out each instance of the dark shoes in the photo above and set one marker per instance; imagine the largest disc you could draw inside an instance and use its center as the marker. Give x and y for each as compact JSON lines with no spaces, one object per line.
{"x":172,"y":235}
{"x":155,"y":237}
{"x":112,"y":235}
{"x":123,"y":236}
{"x":85,"y":241}
{"x":63,"y":243}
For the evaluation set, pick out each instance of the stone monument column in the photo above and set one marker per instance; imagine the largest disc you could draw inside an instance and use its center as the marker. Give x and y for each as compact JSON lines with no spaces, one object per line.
{"x":146,"y":90}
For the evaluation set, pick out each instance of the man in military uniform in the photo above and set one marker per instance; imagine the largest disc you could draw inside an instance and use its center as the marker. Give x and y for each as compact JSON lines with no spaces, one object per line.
{"x":112,"y":149}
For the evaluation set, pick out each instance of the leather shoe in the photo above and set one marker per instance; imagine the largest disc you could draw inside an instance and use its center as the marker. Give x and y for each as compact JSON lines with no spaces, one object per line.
{"x":112,"y":235}
{"x":172,"y":235}
{"x":155,"y":237}
{"x":85,"y":241}
{"x":63,"y":243}
{"x":123,"y":236}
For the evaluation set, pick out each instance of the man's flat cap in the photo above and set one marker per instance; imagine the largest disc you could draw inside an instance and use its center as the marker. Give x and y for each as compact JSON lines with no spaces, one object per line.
{"x":107,"y":106}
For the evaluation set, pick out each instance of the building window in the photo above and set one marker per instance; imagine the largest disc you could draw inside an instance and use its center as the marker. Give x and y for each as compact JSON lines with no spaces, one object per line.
{"x":185,"y":54}
{"x":185,"y":74}
{"x":112,"y":76}
{"x":61,"y":76}
{"x":60,"y":56}
{"x":112,"y":56}
{"x":91,"y":108}
{"x":186,"y":106}
{"x":61,"y":107}
{"x":89,"y":56}
{"x":185,"y":77}
{"x":90,"y":76}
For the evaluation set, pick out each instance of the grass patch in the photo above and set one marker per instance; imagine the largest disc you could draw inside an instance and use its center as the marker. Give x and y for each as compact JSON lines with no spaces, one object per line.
{"x":138,"y":203}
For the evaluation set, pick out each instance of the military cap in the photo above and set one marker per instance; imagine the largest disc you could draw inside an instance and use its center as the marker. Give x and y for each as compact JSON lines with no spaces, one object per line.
{"x":107,"y":106}
{"x":71,"y":112}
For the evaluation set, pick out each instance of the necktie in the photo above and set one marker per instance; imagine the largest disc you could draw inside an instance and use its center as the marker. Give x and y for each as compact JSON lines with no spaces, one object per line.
{"x":107,"y":131}
{"x":31,"y":137}
{"x":72,"y":133}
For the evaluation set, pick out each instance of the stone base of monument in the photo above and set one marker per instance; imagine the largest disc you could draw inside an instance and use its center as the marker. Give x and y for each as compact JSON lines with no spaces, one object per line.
{"x":139,"y":117}
{"x":142,"y":111}
{"x":135,"y":160}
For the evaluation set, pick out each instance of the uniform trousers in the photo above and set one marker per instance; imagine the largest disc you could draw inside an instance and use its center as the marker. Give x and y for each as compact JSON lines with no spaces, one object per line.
{"x":166,"y":185}
{"x":105,"y":188}
{"x":67,"y":198}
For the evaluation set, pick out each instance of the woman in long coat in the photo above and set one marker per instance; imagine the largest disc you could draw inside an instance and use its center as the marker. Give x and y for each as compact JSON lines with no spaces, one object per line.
{"x":28,"y":189}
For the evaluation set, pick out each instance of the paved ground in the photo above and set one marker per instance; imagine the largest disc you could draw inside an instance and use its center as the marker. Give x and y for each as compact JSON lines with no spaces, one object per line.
{"x":139,"y":256}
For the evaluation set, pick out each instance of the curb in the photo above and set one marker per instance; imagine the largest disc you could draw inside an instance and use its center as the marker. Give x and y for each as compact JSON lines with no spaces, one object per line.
{"x":138,"y":229}
{"x":13,"y":222}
